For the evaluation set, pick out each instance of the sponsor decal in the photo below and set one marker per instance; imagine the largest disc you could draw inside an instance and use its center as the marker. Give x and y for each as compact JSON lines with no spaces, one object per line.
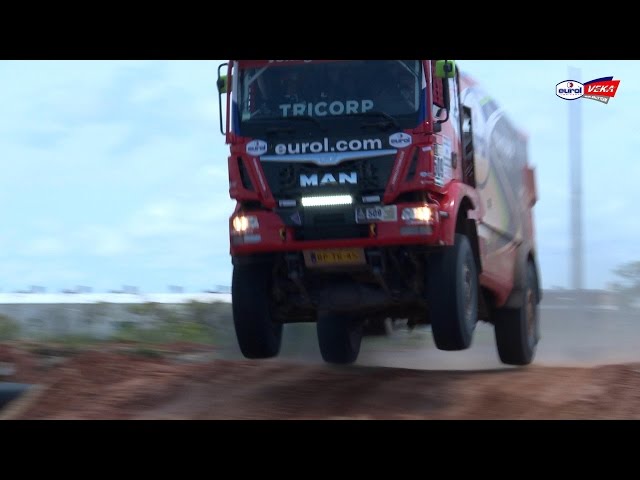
{"x":601,"y":89}
{"x":255,"y":148}
{"x":442,"y":162}
{"x":400,"y":140}
{"x":322,"y":109}
{"x":324,"y":146}
{"x":388,"y":213}
{"x":569,"y":90}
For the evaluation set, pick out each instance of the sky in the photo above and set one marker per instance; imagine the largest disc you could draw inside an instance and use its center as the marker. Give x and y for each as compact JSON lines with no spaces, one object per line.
{"x":114,"y":173}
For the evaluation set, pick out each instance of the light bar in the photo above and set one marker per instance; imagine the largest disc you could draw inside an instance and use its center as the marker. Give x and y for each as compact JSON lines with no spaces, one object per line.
{"x":327,"y":201}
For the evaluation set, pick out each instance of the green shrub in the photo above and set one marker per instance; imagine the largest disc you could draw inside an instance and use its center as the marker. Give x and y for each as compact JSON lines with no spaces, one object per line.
{"x":167,"y":328}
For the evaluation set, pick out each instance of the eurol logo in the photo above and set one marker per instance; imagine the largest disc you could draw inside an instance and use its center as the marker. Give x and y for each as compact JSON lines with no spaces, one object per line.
{"x":570,"y":89}
{"x":256,"y":148}
{"x":601,"y":89}
{"x":400,"y":140}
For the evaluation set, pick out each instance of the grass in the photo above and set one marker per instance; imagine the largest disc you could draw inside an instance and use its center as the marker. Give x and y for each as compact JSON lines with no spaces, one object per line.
{"x":9,"y":328}
{"x":147,"y":327}
{"x":194,"y":322}
{"x":164,"y":332}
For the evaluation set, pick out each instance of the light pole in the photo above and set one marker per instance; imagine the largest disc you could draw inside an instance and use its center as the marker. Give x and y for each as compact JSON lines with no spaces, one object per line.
{"x":575,"y":178}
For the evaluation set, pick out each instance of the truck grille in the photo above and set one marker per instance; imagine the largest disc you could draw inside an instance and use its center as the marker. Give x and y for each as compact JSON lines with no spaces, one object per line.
{"x":327,"y":223}
{"x":284,"y":177}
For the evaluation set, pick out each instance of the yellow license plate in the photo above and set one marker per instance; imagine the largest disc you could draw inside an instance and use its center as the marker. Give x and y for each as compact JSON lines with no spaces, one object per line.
{"x":325,"y":258}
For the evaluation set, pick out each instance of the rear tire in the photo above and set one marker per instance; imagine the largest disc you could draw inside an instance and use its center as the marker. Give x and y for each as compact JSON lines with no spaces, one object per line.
{"x":258,"y":336}
{"x":339,"y":338}
{"x":452,"y":285}
{"x":517,"y":330}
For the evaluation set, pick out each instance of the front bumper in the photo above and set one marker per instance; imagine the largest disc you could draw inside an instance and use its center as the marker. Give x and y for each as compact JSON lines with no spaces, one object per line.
{"x":272,"y":235}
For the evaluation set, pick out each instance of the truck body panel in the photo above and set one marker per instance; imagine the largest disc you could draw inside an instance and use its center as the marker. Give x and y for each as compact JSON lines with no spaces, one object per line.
{"x":363,"y":173}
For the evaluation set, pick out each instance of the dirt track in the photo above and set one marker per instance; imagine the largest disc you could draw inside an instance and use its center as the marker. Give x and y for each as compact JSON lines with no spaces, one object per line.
{"x":190,"y":382}
{"x":108,"y":386}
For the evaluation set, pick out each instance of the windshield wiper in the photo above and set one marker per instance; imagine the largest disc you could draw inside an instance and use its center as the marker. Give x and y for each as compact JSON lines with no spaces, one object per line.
{"x":272,"y":130}
{"x":306,"y":118}
{"x":377,"y":113}
{"x":289,"y":129}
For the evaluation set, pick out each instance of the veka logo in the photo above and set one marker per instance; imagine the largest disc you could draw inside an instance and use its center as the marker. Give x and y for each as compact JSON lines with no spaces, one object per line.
{"x":601,"y":89}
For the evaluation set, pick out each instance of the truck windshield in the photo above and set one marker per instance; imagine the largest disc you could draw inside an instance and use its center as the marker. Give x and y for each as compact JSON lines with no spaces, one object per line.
{"x":332,"y":94}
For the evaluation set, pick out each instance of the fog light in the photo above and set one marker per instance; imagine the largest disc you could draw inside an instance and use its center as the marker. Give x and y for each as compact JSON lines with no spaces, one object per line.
{"x":244,"y":223}
{"x":417,"y":214}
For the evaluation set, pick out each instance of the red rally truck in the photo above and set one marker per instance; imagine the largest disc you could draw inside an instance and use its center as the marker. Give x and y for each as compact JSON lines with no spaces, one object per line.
{"x":376,"y":189}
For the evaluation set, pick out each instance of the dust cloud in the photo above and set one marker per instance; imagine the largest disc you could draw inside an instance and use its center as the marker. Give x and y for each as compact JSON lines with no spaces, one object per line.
{"x":571,"y":336}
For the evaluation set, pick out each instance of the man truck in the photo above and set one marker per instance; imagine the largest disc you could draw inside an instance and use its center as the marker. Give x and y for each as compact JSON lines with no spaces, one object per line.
{"x":376,"y":189}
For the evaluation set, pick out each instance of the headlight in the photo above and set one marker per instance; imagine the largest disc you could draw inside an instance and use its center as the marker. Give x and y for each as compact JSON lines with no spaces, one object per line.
{"x":244,"y":223}
{"x":417,"y":214}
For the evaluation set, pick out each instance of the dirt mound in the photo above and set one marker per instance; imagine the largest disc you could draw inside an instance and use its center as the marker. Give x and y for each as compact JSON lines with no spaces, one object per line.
{"x":189,"y":384}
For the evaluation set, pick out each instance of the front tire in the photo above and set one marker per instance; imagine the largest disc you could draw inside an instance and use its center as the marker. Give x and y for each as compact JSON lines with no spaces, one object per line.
{"x":339,"y":338}
{"x":517,"y":330}
{"x":452,"y":285}
{"x":258,"y":335}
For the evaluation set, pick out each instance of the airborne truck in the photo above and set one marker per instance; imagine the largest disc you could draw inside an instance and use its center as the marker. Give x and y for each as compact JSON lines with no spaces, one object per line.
{"x":376,"y":189}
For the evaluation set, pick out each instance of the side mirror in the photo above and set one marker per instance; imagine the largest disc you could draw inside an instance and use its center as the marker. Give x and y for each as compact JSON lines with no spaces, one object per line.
{"x":222,"y":84}
{"x":445,"y":68}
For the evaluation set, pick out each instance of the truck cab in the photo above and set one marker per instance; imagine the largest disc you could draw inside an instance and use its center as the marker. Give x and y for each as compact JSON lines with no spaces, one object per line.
{"x":375,"y":189}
